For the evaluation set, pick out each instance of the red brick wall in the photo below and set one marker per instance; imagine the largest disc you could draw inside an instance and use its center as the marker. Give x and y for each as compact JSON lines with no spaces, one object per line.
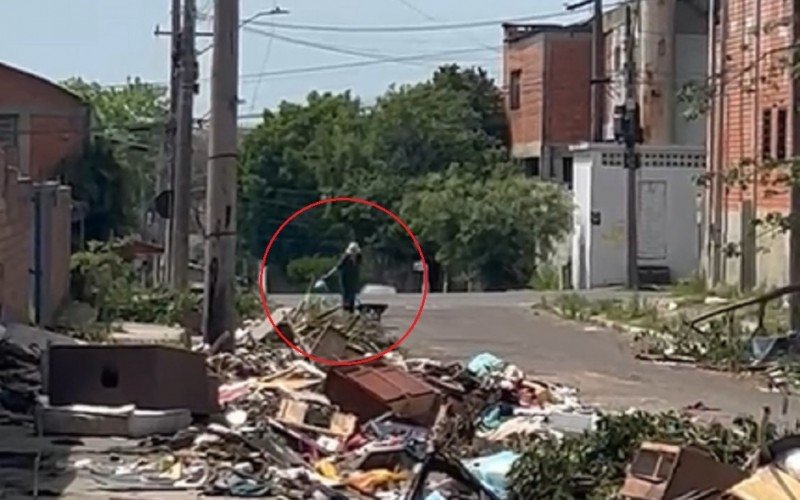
{"x":555,"y":88}
{"x":567,"y":88}
{"x":53,"y":123}
{"x":526,"y":122}
{"x":748,"y":94}
{"x":16,"y":221}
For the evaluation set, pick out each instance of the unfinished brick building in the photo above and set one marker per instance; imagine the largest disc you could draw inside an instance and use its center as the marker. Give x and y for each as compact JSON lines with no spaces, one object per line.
{"x":547,"y":74}
{"x":753,"y":120}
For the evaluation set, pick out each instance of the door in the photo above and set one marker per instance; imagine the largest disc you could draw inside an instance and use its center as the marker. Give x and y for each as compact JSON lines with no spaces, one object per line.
{"x":652,"y":234}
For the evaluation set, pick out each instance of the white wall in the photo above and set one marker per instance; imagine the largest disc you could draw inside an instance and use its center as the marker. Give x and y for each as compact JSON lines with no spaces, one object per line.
{"x":602,"y":189}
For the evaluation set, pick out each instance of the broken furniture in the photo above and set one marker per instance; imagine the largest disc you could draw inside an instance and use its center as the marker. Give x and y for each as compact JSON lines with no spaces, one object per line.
{"x":372,"y":391}
{"x":299,"y":414}
{"x":768,"y":482}
{"x":148,"y":376}
{"x":664,"y":471}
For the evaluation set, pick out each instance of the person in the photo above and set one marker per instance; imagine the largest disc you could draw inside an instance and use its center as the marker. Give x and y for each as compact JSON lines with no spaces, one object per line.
{"x":348,"y":267}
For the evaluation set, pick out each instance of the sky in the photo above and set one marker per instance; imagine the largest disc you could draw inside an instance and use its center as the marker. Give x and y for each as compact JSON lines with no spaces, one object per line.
{"x":109,"y":41}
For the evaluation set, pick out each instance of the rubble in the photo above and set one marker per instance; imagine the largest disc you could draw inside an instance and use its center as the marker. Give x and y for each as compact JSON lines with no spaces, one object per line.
{"x":290,"y":428}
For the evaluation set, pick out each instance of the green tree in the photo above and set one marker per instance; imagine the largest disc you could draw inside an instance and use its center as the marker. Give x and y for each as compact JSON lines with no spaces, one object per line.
{"x":434,"y":151}
{"x":127,"y":125}
{"x":489,"y":228}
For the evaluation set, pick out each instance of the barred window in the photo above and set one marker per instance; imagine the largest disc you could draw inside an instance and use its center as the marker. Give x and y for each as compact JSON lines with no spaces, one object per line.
{"x":8,"y":130}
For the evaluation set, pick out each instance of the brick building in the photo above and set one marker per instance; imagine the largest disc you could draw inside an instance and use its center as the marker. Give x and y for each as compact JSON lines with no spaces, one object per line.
{"x":41,"y":124}
{"x":547,"y":72}
{"x":751,"y":120}
{"x":42,"y":127}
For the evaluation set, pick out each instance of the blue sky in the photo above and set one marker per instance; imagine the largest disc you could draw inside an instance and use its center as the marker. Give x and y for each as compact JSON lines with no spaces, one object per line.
{"x":110,"y":40}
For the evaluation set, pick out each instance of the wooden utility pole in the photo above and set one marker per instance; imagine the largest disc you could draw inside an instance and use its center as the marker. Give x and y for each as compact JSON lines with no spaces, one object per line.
{"x":631,"y":156}
{"x":182,"y":183}
{"x":220,"y":251}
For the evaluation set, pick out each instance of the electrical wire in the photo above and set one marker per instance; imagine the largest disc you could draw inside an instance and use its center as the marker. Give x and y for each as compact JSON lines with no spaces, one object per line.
{"x":358,"y":64}
{"x":321,"y":46}
{"x":415,"y":28}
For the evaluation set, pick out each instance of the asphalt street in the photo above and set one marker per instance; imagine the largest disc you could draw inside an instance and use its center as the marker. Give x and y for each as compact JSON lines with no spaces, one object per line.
{"x":599,"y":362}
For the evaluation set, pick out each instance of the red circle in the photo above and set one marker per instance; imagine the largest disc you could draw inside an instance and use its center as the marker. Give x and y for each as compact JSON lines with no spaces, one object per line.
{"x":353,"y":362}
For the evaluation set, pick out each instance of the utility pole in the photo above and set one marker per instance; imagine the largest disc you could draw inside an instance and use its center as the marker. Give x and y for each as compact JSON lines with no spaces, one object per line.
{"x":182,"y":181}
{"x":598,"y":67}
{"x":631,"y":136}
{"x":598,"y":72}
{"x":220,"y":250}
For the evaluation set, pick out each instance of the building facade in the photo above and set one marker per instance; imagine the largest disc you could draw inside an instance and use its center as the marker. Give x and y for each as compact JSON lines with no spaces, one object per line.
{"x":753,"y":123}
{"x":670,"y":52}
{"x":42,"y":127}
{"x":546,"y":78}
{"x":41,"y":124}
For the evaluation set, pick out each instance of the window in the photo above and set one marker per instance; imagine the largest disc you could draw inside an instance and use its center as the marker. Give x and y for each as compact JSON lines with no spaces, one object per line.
{"x":514,"y":89}
{"x":531,"y":166}
{"x":782,"y":138}
{"x":566,"y":171}
{"x":766,"y":135}
{"x":8,"y":130}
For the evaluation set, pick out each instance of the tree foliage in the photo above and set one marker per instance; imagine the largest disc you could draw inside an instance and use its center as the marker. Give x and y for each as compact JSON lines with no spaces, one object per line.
{"x":434,"y":152}
{"x":116,"y":177}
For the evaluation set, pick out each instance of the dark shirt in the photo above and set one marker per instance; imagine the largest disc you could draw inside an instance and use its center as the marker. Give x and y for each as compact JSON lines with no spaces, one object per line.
{"x":348,"y":267}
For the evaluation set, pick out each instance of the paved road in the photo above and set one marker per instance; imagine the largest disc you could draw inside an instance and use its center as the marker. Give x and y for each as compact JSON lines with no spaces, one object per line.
{"x":598,"y":362}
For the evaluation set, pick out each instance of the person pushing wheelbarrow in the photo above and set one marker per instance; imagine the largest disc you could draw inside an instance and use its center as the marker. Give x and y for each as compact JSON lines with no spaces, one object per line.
{"x":348,"y":267}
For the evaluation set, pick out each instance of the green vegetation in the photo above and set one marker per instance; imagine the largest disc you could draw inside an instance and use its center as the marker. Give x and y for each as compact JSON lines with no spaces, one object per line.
{"x":435,"y":153}
{"x":116,"y":177}
{"x":592,"y":465}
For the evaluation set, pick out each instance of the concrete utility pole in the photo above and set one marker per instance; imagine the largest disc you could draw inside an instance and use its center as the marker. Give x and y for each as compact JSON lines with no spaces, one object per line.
{"x":220,"y":251}
{"x":631,"y":156}
{"x":164,"y":180}
{"x":182,"y":182}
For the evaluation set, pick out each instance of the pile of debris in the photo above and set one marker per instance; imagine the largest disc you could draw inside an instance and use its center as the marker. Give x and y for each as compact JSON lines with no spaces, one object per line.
{"x":280,"y":426}
{"x":20,"y":380}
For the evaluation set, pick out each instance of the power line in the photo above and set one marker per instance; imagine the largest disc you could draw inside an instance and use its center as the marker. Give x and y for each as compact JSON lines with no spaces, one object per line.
{"x":413,"y":28}
{"x":332,"y":67}
{"x":320,"y":46}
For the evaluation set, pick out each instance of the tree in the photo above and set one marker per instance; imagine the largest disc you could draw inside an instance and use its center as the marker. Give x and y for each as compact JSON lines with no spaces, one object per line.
{"x":490,"y":228}
{"x":433,"y":152}
{"x":127,"y":125}
{"x":297,"y":154}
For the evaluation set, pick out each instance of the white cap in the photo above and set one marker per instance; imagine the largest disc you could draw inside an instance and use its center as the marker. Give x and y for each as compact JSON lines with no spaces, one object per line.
{"x":353,"y":248}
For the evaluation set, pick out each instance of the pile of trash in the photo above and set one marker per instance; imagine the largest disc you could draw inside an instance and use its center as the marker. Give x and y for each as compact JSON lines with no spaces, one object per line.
{"x":20,"y":380}
{"x":290,"y":428}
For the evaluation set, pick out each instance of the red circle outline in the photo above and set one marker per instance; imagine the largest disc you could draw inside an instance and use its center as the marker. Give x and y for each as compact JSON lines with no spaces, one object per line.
{"x":354,"y":362}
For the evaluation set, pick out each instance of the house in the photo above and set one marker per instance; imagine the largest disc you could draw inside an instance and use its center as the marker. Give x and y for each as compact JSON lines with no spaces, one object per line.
{"x":671,"y":51}
{"x":42,"y":127}
{"x":547,"y":81}
{"x":752,"y":121}
{"x":546,"y":74}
